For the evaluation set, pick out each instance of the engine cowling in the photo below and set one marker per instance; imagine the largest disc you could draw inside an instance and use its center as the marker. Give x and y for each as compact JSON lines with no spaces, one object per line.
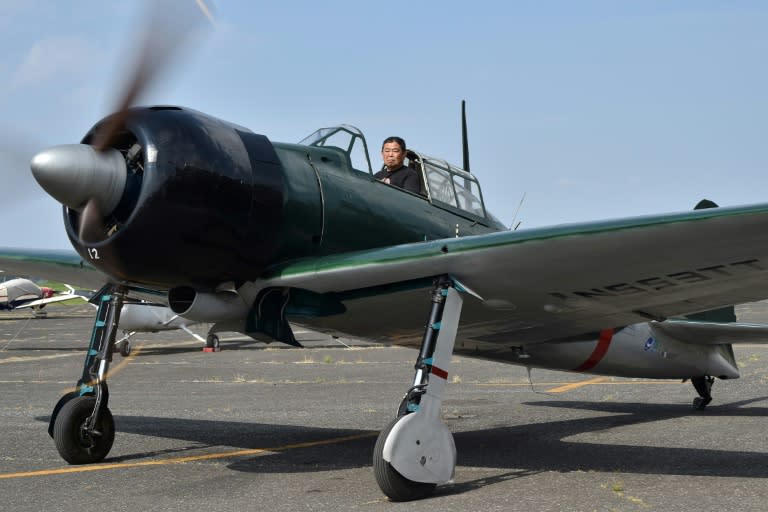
{"x":203,"y":203}
{"x":180,"y":198}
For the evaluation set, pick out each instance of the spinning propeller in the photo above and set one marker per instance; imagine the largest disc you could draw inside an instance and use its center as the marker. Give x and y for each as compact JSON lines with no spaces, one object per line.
{"x":91,"y":178}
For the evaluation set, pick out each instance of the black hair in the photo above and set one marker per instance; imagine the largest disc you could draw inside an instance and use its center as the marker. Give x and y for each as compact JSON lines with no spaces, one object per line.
{"x":399,"y":140}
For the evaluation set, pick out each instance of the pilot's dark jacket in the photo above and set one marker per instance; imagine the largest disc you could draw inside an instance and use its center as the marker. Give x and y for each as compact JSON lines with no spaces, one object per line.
{"x":403,"y":177}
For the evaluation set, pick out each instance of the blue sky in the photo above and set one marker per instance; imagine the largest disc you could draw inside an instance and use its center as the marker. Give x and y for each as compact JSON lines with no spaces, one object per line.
{"x":593,"y":109}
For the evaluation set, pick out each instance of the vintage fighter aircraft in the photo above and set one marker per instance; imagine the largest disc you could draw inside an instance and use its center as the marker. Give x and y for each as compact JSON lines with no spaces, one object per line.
{"x":244,"y":232}
{"x":22,"y":293}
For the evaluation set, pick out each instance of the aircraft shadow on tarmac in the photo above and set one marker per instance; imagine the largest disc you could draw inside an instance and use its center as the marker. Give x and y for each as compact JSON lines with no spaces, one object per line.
{"x":545,"y":446}
{"x":523,"y":449}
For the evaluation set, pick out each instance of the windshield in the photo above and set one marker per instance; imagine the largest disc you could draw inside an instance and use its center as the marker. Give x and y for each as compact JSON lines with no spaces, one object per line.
{"x":345,"y":137}
{"x":450,"y":185}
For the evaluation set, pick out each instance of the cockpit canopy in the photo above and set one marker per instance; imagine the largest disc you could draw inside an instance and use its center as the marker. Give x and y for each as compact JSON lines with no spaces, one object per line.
{"x":345,"y":137}
{"x":442,"y":184}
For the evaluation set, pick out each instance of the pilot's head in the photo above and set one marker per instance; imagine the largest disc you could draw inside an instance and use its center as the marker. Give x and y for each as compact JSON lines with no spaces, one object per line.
{"x":393,"y":152}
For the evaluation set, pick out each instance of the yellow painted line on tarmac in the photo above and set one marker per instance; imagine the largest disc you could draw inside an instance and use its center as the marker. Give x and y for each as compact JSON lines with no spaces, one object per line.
{"x":607,"y":381}
{"x":515,"y":384}
{"x":183,"y":460}
{"x":589,"y":383}
{"x":676,"y":382}
{"x":575,"y":385}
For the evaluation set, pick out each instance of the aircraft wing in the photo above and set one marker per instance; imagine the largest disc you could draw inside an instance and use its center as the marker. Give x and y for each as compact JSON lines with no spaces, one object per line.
{"x":61,"y":266}
{"x":550,"y":283}
{"x":536,"y":285}
{"x":711,"y":333}
{"x":51,"y":300}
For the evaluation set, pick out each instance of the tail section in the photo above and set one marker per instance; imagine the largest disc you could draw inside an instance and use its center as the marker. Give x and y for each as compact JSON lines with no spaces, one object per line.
{"x":722,"y":315}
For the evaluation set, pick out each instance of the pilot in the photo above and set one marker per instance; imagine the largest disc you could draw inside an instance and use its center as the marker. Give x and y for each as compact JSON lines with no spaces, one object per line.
{"x":394,"y":172}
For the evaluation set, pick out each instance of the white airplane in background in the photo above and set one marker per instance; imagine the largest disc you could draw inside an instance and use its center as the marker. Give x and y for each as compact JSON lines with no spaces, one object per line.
{"x":141,"y":316}
{"x":22,"y":293}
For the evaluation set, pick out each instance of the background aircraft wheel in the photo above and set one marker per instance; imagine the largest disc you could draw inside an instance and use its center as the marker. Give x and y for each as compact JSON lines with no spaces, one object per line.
{"x":212,"y":341}
{"x":74,"y":444}
{"x":125,"y":348}
{"x":392,"y":483}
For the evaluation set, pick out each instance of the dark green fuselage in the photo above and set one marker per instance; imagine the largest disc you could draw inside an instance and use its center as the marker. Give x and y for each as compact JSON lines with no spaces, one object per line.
{"x":210,"y":202}
{"x":337,"y":208}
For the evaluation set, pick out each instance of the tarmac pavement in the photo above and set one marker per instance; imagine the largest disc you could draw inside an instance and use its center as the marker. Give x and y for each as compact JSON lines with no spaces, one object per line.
{"x":262,"y":427}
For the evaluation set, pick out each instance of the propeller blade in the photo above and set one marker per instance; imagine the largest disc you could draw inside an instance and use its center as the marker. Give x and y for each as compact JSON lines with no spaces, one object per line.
{"x":16,"y":150}
{"x":93,"y":230}
{"x":168,"y":31}
{"x":91,"y":178}
{"x":92,"y":227}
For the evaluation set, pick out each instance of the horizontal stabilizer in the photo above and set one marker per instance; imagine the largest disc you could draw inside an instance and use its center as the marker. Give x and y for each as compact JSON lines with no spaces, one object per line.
{"x":711,"y":333}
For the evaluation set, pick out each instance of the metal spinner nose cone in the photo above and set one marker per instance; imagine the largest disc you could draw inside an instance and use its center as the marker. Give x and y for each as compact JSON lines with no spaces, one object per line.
{"x":50,"y":169}
{"x":75,"y":173}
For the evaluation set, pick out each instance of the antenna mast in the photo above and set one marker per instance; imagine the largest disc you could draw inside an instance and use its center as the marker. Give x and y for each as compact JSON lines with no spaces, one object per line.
{"x":464,"y":141}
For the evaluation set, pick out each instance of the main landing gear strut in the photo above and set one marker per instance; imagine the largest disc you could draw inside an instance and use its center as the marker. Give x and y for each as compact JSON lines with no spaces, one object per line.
{"x":415,"y":451}
{"x":703,"y":386}
{"x":81,"y":423}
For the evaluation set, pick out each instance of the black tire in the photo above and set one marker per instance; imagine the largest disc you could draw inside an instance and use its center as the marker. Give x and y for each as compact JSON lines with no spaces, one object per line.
{"x":125,"y":348}
{"x":73,"y":444}
{"x":212,"y":341}
{"x":392,"y":483}
{"x":700,"y":403}
{"x":55,"y":414}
